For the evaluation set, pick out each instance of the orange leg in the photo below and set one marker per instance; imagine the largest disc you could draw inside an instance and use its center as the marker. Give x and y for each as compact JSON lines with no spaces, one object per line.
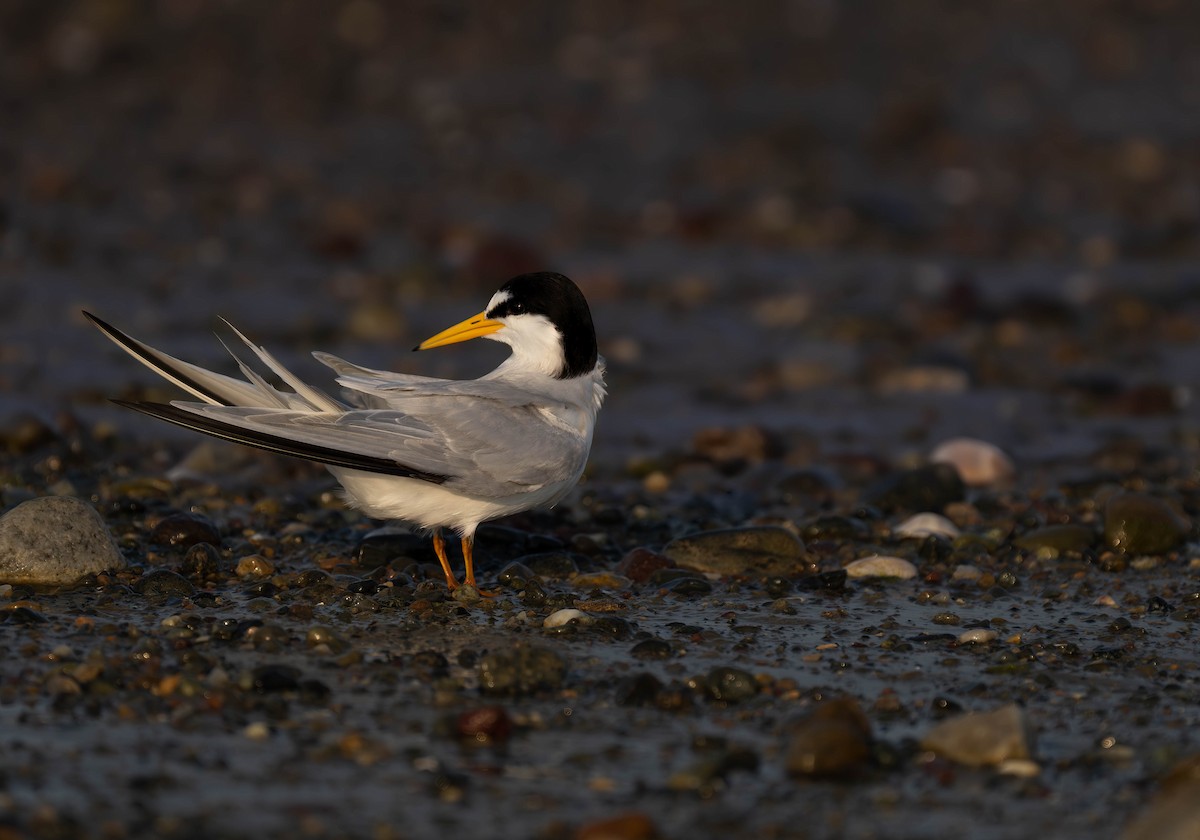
{"x":468,"y":549}
{"x":439,"y":548}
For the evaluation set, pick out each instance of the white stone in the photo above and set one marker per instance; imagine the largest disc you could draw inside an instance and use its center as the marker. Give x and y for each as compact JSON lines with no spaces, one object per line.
{"x":922,"y":525}
{"x":882,"y":566}
{"x":979,"y":463}
{"x":977,"y":635}
{"x":565,"y":616}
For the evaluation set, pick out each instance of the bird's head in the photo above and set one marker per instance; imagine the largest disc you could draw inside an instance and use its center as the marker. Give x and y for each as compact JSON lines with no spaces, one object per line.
{"x":543,"y":317}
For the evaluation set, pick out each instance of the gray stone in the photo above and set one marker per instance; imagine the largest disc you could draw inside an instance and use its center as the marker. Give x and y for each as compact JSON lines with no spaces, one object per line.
{"x":54,"y":540}
{"x":760,"y":550}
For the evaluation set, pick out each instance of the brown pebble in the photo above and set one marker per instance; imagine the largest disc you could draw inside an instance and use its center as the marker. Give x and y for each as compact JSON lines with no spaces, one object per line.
{"x":833,"y":741}
{"x":185,"y":530}
{"x":255,"y":565}
{"x":638,"y":565}
{"x":630,"y":826}
{"x":485,"y":725}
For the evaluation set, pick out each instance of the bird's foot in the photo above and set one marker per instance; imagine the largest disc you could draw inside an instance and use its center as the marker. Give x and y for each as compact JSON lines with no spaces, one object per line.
{"x":469,"y":590}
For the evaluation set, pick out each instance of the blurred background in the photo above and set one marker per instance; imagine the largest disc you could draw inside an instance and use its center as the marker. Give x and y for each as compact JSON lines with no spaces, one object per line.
{"x":856,"y":224}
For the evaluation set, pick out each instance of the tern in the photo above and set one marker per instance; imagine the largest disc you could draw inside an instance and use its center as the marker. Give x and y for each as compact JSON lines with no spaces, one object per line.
{"x":436,"y":453}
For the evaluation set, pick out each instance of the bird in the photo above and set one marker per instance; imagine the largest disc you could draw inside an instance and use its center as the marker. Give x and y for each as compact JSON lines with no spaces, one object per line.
{"x":434,"y":453}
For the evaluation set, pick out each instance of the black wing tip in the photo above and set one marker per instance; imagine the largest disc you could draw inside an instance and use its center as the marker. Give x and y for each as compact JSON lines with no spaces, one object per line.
{"x":100,"y":323}
{"x":146,"y":355}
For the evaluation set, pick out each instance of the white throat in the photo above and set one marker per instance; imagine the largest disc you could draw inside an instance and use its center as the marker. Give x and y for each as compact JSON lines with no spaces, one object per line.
{"x":536,"y":345}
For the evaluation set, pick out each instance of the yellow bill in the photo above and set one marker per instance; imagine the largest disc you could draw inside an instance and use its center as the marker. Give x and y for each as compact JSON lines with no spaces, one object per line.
{"x":473,"y":327}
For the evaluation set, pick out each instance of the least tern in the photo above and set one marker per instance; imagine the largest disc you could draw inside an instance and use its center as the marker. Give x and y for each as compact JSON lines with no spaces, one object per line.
{"x":436,"y":453}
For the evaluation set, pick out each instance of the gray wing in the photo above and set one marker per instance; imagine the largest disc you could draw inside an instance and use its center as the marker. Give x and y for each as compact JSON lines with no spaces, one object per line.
{"x":478,"y":446}
{"x":387,"y":389}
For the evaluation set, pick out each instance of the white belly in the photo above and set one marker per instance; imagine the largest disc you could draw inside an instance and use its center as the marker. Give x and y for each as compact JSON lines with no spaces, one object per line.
{"x":430,"y":505}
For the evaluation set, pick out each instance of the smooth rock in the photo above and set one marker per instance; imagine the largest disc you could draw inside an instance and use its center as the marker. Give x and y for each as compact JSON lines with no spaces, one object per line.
{"x":881,"y":566}
{"x":55,"y":540}
{"x":834,"y":740}
{"x":254,"y":565}
{"x":836,"y":528}
{"x":981,"y":738}
{"x":185,"y":530}
{"x":600,"y":580}
{"x":640,"y":563}
{"x":521,"y":670}
{"x":976,"y":635}
{"x":966,"y":573}
{"x":728,"y":685}
{"x":24,"y":432}
{"x":1057,"y":538}
{"x":160,"y":584}
{"x":202,"y":562}
{"x":485,"y":725}
{"x":559,"y":618}
{"x":391,"y":545}
{"x":763,"y":550}
{"x":979,"y":463}
{"x":926,"y":488}
{"x":922,"y":525}
{"x":1135,"y":523}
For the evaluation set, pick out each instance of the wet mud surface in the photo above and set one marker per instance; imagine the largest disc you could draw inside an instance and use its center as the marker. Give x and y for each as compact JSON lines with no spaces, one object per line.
{"x":809,"y":268}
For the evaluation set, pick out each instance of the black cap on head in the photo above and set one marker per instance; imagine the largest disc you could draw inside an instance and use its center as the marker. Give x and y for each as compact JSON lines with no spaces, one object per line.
{"x":559,"y":300}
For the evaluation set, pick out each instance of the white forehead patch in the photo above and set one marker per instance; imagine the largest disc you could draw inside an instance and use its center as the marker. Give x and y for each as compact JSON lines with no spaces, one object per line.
{"x":497,"y":299}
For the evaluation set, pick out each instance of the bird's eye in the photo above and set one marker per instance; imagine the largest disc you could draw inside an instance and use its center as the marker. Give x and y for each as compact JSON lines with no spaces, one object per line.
{"x":517,"y":308}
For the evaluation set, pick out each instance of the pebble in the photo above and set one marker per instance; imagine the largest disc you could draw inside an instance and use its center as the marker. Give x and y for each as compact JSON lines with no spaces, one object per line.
{"x":566,"y":616}
{"x":1057,"y":539}
{"x":389,"y":544}
{"x":922,"y":525}
{"x":745,"y":444}
{"x":1135,"y":523}
{"x":881,"y":566}
{"x":981,"y":738}
{"x":202,"y":562}
{"x":640,"y":563}
{"x":255,"y":565}
{"x":600,"y":580}
{"x":979,"y":463}
{"x":966,"y":573}
{"x":928,"y":488}
{"x":833,"y":740}
{"x":185,"y":530}
{"x":976,"y":635}
{"x":836,"y":528}
{"x":485,"y":725}
{"x":630,"y":826}
{"x":807,"y":487}
{"x":55,"y":540}
{"x":651,"y":649}
{"x":763,"y":550}
{"x":257,"y":731}
{"x":728,"y":685}
{"x":24,"y":431}
{"x":521,"y":670}
{"x":555,"y":565}
{"x":160,"y":585}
